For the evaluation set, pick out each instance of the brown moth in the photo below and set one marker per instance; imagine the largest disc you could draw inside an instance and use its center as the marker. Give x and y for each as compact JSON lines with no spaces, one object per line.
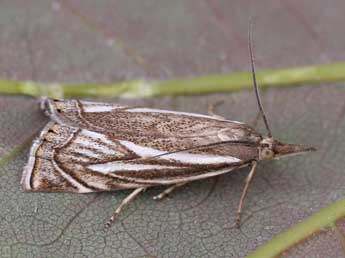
{"x":93,"y":147}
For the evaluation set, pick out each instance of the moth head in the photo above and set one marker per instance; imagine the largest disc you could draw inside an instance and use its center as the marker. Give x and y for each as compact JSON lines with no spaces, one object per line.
{"x":270,"y":148}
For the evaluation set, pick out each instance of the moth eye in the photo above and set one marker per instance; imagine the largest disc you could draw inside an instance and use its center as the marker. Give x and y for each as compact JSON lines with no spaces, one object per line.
{"x":267,"y":154}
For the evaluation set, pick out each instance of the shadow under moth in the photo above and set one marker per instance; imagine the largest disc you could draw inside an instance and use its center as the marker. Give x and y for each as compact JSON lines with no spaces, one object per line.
{"x":93,"y":147}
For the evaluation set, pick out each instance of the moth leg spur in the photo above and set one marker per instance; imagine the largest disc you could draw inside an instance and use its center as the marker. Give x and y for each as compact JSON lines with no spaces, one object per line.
{"x":244,"y":192}
{"x":124,"y":203}
{"x":211,"y":109}
{"x":167,"y":191}
{"x":255,"y":121}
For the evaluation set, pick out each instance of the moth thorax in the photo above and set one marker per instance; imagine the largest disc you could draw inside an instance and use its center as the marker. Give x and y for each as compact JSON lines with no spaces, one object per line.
{"x":266,"y":149}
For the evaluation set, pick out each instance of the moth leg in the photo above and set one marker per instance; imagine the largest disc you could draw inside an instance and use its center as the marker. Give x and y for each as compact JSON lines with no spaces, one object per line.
{"x":212,"y":106}
{"x":167,"y":191}
{"x":255,"y":121}
{"x":244,"y":192}
{"x":124,"y":203}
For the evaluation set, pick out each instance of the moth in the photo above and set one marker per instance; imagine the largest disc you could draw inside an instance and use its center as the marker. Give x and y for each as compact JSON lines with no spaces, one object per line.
{"x":93,"y":147}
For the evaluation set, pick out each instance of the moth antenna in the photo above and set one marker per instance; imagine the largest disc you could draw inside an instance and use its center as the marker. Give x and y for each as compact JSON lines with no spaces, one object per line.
{"x":252,"y":62}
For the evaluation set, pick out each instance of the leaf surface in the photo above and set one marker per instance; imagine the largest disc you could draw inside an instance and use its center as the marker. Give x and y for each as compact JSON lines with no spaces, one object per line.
{"x":74,"y":41}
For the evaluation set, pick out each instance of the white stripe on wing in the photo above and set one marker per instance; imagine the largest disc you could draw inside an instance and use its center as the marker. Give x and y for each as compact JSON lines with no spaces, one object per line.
{"x":184,"y":157}
{"x":96,"y":108}
{"x":108,"y":167}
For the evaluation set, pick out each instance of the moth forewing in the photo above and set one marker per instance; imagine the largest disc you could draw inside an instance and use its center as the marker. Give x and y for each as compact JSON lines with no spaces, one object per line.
{"x":145,"y":121}
{"x":66,"y":158}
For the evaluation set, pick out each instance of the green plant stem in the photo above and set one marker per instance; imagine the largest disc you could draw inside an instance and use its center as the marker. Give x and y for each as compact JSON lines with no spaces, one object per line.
{"x":326,"y":217}
{"x":198,"y":85}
